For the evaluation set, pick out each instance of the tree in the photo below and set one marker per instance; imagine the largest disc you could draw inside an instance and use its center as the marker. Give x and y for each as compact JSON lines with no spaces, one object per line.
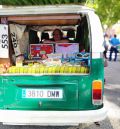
{"x":39,"y":2}
{"x":108,"y":10}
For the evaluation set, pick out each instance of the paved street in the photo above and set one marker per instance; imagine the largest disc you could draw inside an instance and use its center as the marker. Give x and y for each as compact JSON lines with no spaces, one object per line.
{"x":112,"y":102}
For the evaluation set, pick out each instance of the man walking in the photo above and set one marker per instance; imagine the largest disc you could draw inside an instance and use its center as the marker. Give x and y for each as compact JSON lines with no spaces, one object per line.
{"x":114,"y":43}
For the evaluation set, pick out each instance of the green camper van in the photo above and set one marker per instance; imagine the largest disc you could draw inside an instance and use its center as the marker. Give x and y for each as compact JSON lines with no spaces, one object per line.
{"x":51,"y":83}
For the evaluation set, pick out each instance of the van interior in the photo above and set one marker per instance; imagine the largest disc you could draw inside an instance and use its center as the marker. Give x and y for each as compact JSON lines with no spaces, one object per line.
{"x":28,"y":54}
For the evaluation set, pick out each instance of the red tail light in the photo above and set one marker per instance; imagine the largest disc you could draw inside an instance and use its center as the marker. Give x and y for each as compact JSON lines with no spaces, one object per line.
{"x":97,"y":92}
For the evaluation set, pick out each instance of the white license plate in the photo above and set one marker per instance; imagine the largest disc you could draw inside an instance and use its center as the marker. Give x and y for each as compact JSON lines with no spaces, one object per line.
{"x":42,"y":93}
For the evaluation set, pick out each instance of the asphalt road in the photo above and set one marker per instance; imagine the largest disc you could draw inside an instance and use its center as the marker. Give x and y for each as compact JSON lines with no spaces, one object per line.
{"x":111,"y":99}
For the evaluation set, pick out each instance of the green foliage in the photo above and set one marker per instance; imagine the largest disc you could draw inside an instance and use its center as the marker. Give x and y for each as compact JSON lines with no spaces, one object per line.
{"x":108,"y":10}
{"x":39,"y":2}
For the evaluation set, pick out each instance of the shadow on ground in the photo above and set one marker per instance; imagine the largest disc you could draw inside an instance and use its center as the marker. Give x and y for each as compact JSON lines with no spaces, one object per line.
{"x":113,"y":94}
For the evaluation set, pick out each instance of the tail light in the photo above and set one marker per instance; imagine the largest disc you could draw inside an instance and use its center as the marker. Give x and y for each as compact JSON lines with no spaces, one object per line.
{"x":97,"y":97}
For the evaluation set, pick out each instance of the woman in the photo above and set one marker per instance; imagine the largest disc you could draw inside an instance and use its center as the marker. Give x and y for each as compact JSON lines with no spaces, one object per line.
{"x":57,"y":37}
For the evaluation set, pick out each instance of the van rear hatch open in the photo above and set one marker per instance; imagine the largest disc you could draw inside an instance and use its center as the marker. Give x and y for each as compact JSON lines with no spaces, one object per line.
{"x":25,"y":52}
{"x":32,"y":69}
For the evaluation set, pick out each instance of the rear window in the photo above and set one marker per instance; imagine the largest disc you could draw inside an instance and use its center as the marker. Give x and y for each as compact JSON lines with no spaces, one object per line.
{"x":47,"y":45}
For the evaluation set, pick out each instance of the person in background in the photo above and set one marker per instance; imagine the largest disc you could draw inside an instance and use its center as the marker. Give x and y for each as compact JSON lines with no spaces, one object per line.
{"x":44,"y":36}
{"x":71,"y":35}
{"x":57,"y":37}
{"x":114,"y":43}
{"x":106,"y":45}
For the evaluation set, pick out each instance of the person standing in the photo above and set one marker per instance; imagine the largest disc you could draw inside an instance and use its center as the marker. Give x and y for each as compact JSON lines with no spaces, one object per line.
{"x":114,"y":43}
{"x":106,"y":45}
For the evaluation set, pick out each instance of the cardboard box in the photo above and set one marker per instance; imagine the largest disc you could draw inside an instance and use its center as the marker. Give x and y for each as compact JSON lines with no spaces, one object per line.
{"x":67,"y":49}
{"x":38,"y":50}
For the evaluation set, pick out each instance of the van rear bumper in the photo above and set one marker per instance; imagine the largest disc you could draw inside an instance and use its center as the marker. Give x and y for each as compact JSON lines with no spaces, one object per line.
{"x":17,"y":117}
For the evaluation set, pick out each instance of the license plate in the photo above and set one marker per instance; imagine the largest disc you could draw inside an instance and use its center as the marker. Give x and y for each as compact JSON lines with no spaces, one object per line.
{"x":42,"y":93}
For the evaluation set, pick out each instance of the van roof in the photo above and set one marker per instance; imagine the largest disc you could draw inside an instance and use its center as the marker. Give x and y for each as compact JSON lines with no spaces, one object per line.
{"x":46,"y":9}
